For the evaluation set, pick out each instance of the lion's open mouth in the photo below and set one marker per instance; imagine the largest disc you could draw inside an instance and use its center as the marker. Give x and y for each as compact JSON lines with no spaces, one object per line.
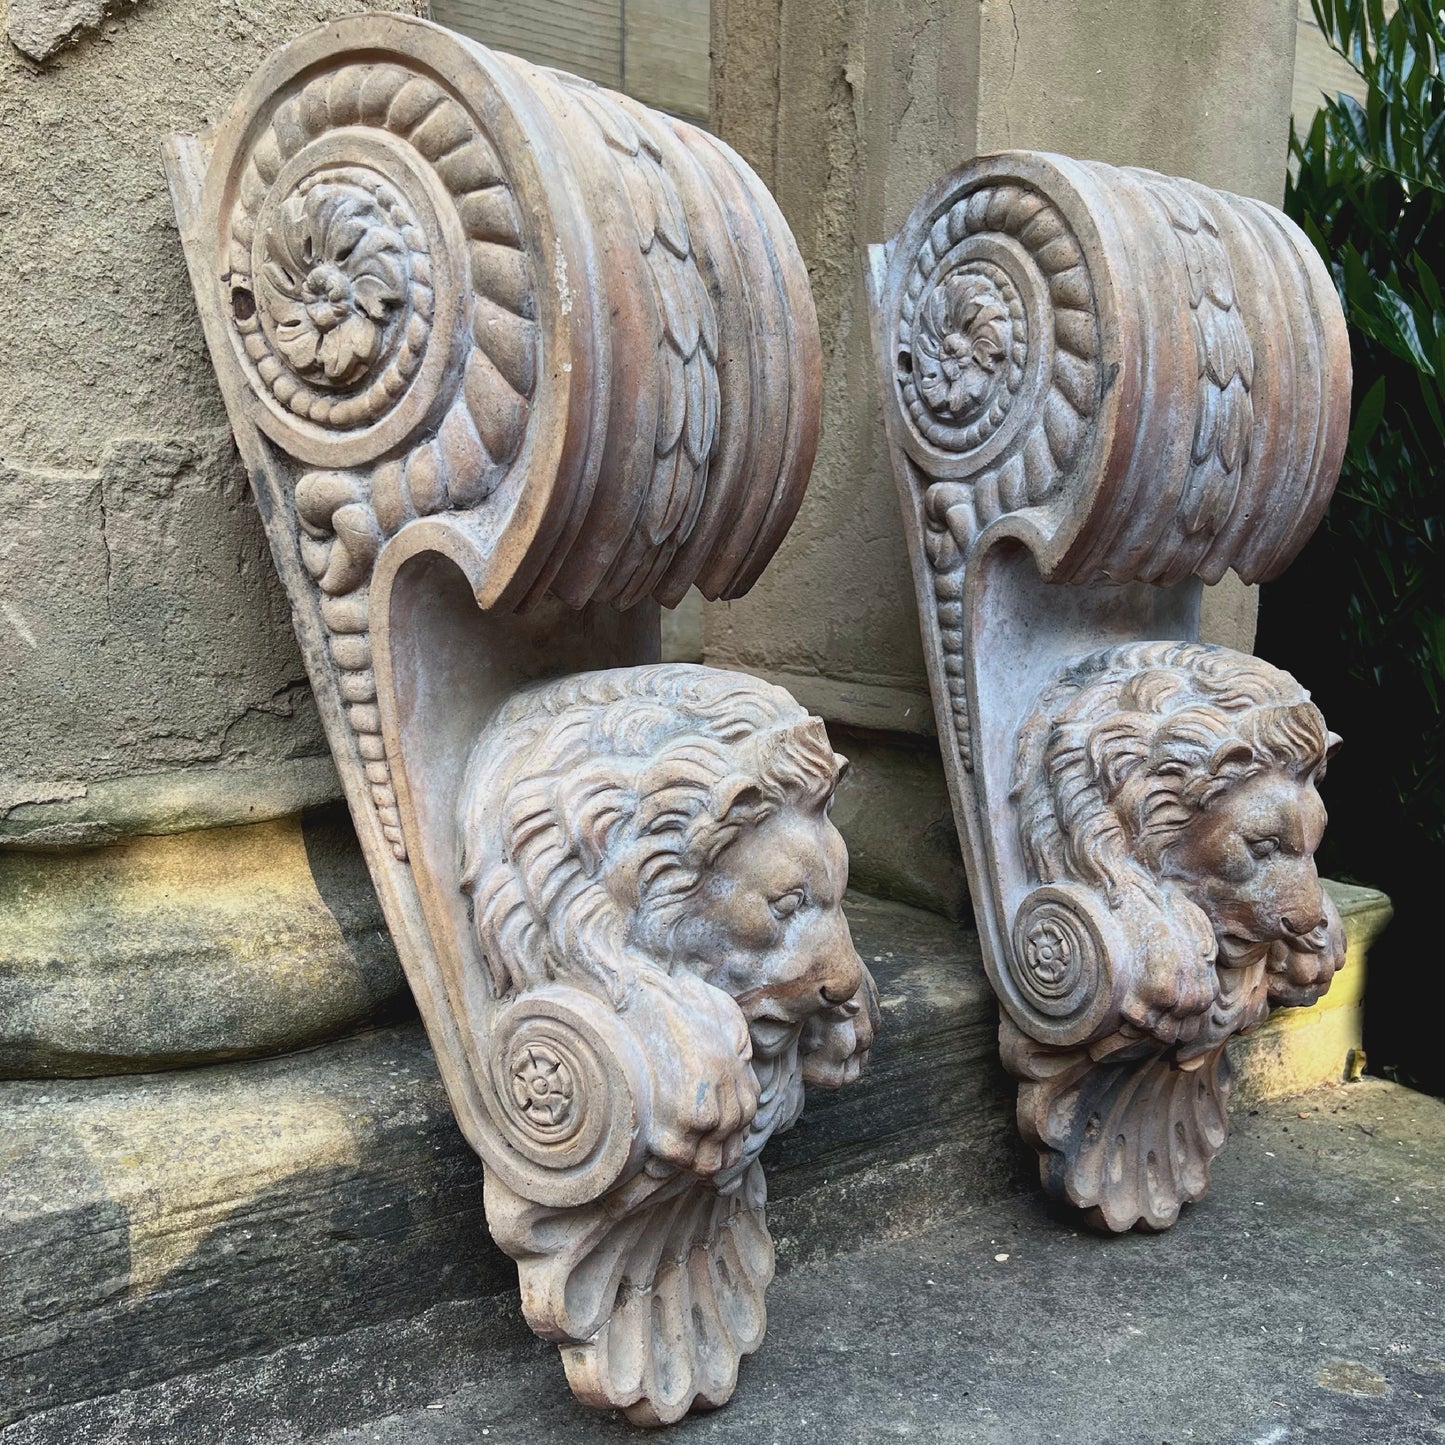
{"x":771,"y":1036}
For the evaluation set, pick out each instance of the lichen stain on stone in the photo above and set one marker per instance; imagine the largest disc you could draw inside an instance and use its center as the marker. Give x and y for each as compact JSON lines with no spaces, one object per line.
{"x":177,"y":1177}
{"x":1349,"y":1377}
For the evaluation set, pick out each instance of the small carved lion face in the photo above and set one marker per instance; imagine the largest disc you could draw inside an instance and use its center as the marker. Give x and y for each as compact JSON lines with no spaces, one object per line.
{"x":1247,"y":859}
{"x":767,"y":927}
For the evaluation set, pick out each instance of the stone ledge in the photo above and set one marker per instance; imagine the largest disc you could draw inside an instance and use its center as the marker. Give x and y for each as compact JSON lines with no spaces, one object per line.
{"x":166,"y":1223}
{"x":878,"y":707}
{"x":1246,"y":1322}
{"x":221,"y":943}
{"x":93,"y":814}
{"x":1299,"y":1048}
{"x":161,"y":1225}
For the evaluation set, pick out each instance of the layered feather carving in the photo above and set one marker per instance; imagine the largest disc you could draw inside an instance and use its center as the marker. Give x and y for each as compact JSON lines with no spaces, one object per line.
{"x":688,"y":398}
{"x":1224,"y":410}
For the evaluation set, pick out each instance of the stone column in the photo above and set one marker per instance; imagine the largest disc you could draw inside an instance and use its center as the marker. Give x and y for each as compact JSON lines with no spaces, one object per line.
{"x":849,"y":109}
{"x":161,"y":899}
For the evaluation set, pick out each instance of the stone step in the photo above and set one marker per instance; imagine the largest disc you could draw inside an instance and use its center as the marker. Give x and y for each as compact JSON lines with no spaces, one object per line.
{"x":158,"y":1226}
{"x":166,"y":1223}
{"x":1300,"y":1302}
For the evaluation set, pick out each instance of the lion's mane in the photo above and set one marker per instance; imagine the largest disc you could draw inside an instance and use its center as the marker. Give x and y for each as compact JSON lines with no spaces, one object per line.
{"x":592,"y":806}
{"x":1127,"y":744}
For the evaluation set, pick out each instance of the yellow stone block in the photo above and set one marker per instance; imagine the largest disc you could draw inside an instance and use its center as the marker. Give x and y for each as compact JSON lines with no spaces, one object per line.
{"x":1301,"y":1048}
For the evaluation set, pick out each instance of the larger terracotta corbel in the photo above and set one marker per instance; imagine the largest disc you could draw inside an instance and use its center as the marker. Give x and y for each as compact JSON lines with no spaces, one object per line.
{"x":510,"y":359}
{"x":1104,"y":388}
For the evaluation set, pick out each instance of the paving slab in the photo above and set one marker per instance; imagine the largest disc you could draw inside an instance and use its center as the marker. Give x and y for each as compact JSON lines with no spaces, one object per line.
{"x":1303,"y":1301}
{"x":154,"y":1228}
{"x":157,"y":1225}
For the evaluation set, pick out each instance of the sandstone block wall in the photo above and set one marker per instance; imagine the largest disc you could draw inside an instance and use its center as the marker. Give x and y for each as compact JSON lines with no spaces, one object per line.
{"x":849,"y":111}
{"x":149,"y":677}
{"x":144,"y":639}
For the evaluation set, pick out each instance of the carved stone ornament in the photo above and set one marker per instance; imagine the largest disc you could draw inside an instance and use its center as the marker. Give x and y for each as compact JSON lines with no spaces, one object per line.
{"x":1104,"y":388}
{"x":511,"y":359}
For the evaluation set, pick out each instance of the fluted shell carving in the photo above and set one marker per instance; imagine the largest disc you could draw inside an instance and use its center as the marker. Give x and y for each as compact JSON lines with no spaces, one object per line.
{"x":608,"y":357}
{"x":1104,"y":388}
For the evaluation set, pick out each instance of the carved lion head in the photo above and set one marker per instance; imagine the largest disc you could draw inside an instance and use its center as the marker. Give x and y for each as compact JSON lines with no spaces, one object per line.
{"x":1184,"y":776}
{"x":660,"y":838}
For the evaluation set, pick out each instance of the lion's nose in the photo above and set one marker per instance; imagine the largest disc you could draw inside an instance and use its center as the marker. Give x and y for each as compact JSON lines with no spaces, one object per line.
{"x":1300,"y":927}
{"x":844,"y":980}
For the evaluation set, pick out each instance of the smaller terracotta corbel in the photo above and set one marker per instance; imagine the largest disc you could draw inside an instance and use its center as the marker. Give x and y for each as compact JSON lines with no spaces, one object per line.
{"x":1103,"y":389}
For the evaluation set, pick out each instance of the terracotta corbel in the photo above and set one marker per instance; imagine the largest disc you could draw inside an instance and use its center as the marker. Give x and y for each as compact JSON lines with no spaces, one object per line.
{"x":1104,"y":388}
{"x":510,"y":360}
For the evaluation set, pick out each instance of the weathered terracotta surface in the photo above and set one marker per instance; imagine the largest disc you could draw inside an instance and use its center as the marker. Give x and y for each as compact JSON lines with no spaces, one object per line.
{"x":1104,"y":388}
{"x":512,"y":359}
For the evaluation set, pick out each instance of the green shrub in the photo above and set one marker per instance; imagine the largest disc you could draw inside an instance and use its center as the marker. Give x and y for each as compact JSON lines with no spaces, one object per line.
{"x":1362,"y":618}
{"x":1370,"y":192}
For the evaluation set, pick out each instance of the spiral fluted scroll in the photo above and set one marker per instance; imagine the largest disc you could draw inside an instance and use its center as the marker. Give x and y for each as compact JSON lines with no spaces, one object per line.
{"x":566,"y":1100}
{"x":456,"y":284}
{"x":1146,"y":372}
{"x":1062,"y":964}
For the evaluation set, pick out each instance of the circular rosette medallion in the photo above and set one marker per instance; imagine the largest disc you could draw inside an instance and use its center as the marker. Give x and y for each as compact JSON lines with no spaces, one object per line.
{"x":337,"y":308}
{"x":567,"y":1087}
{"x":378,"y":283}
{"x":997,"y":347}
{"x":545,"y":1092}
{"x":1060,"y":964}
{"x":969,"y":349}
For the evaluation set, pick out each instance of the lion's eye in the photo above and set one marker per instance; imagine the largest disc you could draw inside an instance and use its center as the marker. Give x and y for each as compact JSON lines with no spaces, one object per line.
{"x":787,"y":904}
{"x":1263,"y":847}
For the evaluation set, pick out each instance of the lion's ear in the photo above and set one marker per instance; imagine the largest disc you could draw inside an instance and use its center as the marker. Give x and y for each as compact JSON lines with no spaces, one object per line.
{"x":738,"y":794}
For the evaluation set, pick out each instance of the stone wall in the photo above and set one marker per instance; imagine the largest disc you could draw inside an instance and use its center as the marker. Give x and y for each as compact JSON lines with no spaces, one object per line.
{"x":655,"y":50}
{"x":148,"y":675}
{"x":849,"y":111}
{"x":149,"y":678}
